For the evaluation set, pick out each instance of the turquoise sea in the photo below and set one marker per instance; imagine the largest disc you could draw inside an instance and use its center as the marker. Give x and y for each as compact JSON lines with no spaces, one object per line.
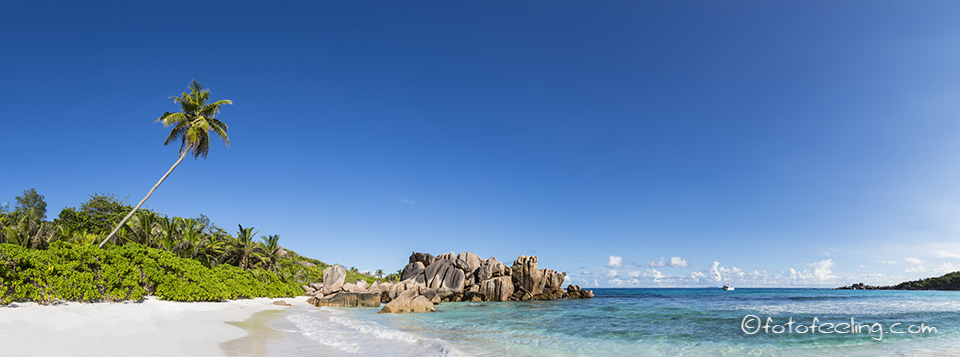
{"x":654,"y":322}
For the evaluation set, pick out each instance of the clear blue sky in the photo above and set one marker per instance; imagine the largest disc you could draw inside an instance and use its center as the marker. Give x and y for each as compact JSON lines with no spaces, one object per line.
{"x":772,"y":143}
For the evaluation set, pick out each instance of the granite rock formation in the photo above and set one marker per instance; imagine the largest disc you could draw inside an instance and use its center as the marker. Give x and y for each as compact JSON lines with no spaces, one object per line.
{"x":448,"y":277}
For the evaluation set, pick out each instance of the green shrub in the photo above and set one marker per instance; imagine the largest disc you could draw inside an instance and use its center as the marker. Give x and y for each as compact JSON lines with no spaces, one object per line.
{"x":86,"y":273}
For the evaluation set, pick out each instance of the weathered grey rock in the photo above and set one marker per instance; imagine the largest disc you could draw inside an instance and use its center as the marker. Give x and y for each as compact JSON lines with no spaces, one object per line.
{"x":351,"y":288}
{"x":574,"y":292}
{"x":491,"y":268}
{"x":398,"y":288}
{"x":552,"y":285}
{"x":281,"y":303}
{"x":411,"y":270}
{"x":316,"y":286}
{"x":496,"y":289}
{"x":447,"y":256}
{"x":474,"y":296}
{"x":408,"y":302}
{"x":445,"y":278}
{"x":363,"y":285}
{"x":425,"y":258}
{"x":430,"y":294}
{"x":473,"y":261}
{"x":345,"y":299}
{"x":527,"y":279}
{"x":333,"y":279}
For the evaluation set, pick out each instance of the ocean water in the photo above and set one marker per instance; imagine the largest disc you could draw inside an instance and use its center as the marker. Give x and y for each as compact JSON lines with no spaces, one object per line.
{"x":654,"y":322}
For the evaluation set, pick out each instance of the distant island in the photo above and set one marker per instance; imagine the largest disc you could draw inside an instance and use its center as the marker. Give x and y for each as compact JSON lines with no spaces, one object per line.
{"x":949,"y":281}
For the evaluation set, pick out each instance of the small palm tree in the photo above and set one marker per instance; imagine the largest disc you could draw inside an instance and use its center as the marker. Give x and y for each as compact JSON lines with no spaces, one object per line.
{"x":271,"y":252}
{"x":245,"y":246}
{"x":379,"y":273}
{"x":191,"y":126}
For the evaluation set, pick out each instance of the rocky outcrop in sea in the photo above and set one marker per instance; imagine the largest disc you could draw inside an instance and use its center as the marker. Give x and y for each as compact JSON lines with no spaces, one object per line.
{"x":427,"y":280}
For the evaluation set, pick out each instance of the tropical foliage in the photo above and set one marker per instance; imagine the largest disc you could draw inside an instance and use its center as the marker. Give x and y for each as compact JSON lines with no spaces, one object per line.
{"x":82,"y":272}
{"x":176,"y":258}
{"x":950,"y":281}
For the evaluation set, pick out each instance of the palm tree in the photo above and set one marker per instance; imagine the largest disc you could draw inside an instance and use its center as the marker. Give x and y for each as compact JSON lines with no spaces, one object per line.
{"x":271,"y":252}
{"x":379,"y":273}
{"x":192,"y":126}
{"x":245,"y":246}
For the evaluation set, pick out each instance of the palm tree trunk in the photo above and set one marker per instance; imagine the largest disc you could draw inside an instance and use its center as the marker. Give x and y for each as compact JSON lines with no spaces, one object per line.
{"x":183,"y":154}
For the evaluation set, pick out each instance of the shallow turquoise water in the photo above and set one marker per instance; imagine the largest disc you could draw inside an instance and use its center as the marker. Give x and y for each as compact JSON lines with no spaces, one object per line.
{"x":654,"y":322}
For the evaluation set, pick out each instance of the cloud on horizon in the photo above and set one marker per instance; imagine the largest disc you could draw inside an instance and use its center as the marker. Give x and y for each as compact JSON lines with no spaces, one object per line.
{"x":676,"y":262}
{"x":615,"y":261}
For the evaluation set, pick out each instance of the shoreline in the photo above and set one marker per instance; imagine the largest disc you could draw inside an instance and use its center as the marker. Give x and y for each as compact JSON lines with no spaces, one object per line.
{"x":151,"y":327}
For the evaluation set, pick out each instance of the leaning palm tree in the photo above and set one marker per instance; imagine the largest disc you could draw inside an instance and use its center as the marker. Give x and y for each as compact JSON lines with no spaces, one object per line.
{"x":192,"y":126}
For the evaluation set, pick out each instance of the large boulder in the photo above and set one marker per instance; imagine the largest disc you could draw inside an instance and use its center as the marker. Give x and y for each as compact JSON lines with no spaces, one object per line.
{"x":527,"y":279}
{"x":408,"y":302}
{"x":398,"y":288}
{"x":425,"y":258}
{"x":351,"y":288}
{"x":491,"y":268}
{"x":333,"y":279}
{"x":345,"y":299}
{"x":496,"y":289}
{"x":574,"y":292}
{"x":473,"y":261}
{"x":411,"y":270}
{"x":457,"y":262}
{"x":445,"y":278}
{"x":552,"y":285}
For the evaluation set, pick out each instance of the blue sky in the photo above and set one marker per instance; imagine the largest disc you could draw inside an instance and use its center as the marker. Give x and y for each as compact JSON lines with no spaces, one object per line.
{"x":764,"y":143}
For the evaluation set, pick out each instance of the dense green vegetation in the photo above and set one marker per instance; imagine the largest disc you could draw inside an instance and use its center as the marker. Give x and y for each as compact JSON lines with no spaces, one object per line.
{"x":174,"y":258}
{"x":950,"y":281}
{"x":67,"y":271}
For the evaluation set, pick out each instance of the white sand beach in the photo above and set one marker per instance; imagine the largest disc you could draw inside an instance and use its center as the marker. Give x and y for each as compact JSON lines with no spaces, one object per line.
{"x":150,"y":328}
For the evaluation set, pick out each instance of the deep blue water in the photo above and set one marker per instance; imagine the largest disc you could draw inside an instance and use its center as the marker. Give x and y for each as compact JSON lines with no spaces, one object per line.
{"x":670,"y":322}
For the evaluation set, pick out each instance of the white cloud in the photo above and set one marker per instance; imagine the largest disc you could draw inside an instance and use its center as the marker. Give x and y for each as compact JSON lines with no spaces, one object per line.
{"x":863,"y":266}
{"x":888,"y":262}
{"x":915,"y":269}
{"x":913,"y":260}
{"x":655,"y":274}
{"x":821,"y":269}
{"x":615,"y":261}
{"x":818,"y":273}
{"x":586,"y":272}
{"x":676,"y":262}
{"x":715,"y":273}
{"x":948,"y":254}
{"x":944,"y":268}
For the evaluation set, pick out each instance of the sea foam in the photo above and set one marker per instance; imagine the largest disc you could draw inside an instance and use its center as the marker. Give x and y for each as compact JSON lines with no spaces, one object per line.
{"x":332,"y":327}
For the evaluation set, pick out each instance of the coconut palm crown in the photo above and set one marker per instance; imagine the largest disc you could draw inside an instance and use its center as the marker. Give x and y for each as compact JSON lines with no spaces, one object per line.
{"x":195,"y":120}
{"x":192,"y":125}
